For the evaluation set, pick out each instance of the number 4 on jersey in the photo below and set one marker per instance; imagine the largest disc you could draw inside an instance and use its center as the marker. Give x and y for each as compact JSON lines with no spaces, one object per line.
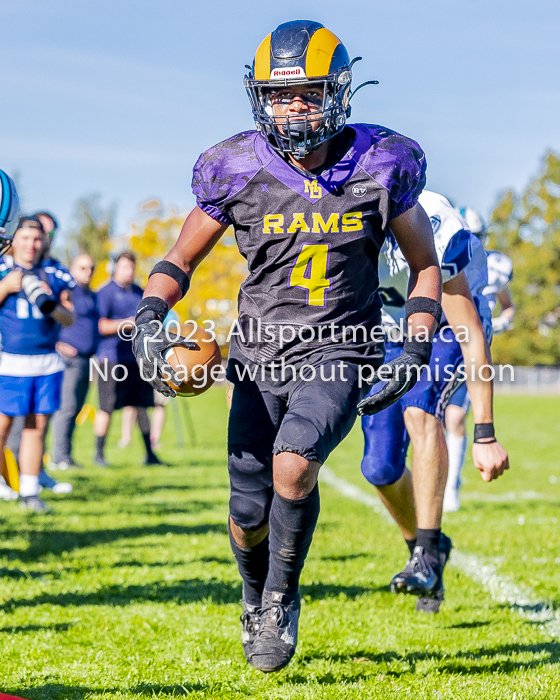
{"x":310,"y":272}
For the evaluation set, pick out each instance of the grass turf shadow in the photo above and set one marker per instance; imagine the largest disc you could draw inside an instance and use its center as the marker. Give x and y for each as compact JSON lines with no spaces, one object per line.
{"x":57,"y":691}
{"x":319,"y":591}
{"x":180,"y":592}
{"x":31,"y":629}
{"x":54,"y":542}
{"x":462,"y":663}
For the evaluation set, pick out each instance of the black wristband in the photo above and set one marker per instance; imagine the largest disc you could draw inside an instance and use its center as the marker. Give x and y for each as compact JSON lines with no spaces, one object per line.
{"x":483,"y":431}
{"x":151,"y":309}
{"x":423,"y":305}
{"x":422,"y":348}
{"x":164,"y":267}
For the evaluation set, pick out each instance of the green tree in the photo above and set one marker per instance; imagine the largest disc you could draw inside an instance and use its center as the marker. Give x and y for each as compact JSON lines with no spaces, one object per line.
{"x":215,"y":284}
{"x":92,"y":232}
{"x":527,"y":228}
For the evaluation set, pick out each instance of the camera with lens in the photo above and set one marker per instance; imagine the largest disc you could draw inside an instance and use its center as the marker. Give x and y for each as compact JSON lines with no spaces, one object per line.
{"x":38,"y":293}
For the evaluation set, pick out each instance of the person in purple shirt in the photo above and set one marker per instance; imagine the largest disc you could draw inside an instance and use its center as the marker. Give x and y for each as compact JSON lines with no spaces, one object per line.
{"x":311,"y":200}
{"x":77,"y":344}
{"x":117,"y":302}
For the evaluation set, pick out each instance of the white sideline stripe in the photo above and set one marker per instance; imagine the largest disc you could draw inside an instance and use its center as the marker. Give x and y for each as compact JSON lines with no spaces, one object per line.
{"x":506,"y":497}
{"x":501,"y":589}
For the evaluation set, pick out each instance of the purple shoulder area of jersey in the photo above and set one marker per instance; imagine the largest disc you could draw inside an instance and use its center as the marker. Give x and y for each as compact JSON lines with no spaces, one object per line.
{"x":397,"y":163}
{"x":224,"y":170}
{"x":329,"y":179}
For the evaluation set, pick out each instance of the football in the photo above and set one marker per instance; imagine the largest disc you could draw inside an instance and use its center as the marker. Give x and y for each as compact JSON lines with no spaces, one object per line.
{"x":194,"y":364}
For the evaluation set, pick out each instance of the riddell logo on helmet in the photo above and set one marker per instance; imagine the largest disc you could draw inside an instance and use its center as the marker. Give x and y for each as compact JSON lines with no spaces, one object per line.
{"x":295,"y":72}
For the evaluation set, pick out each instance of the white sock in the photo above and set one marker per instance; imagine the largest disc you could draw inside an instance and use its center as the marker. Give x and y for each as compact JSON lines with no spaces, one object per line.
{"x":457,"y":450}
{"x":28,"y":485}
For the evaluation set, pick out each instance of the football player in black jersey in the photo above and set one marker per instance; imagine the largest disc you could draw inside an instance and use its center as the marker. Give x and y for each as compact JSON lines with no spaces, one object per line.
{"x":310,"y":199}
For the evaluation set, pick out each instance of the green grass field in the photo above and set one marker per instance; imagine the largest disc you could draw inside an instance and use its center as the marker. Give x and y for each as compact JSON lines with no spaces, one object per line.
{"x":130,"y":590}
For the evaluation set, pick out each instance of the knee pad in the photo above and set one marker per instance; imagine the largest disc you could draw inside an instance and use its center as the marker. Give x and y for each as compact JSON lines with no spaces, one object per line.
{"x":250,"y":511}
{"x":251,"y":494}
{"x":300,"y":436}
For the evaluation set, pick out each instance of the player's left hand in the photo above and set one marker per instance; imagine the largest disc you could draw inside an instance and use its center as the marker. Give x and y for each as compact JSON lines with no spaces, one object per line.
{"x":490,"y":458}
{"x":402,"y":374}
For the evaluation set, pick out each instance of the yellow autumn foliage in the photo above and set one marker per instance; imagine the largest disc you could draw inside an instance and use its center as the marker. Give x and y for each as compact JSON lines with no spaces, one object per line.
{"x":215,"y":284}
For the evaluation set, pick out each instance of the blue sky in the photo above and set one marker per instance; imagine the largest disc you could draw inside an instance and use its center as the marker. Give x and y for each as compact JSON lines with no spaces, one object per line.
{"x":120,"y":97}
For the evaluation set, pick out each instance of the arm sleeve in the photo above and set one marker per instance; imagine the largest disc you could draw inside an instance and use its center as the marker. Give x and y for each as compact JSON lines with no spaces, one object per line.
{"x":409,"y":179}
{"x":58,"y":276}
{"x":210,"y":189}
{"x":457,"y":255}
{"x":104,"y":303}
{"x":64,"y":279}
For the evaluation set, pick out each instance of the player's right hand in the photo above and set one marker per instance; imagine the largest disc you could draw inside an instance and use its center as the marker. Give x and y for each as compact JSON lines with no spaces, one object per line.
{"x":148,"y":345}
{"x":490,"y":458}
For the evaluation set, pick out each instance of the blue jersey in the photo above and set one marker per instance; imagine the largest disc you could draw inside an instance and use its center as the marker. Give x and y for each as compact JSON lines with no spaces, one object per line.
{"x":23,"y":328}
{"x":458,"y":250}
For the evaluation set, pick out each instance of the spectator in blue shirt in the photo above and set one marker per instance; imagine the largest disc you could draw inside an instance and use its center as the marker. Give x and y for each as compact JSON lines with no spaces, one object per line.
{"x":117,"y":303}
{"x":34,"y":305}
{"x":76,"y":345}
{"x":18,"y":435}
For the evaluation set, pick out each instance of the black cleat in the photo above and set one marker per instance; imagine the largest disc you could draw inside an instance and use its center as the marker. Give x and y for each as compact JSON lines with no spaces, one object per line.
{"x":250,"y":620}
{"x":276,"y":639}
{"x":419,"y":577}
{"x":432,"y":605}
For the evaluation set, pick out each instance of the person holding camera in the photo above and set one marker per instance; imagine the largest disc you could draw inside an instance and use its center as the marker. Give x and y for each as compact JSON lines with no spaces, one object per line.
{"x":18,"y":433}
{"x":34,"y":304}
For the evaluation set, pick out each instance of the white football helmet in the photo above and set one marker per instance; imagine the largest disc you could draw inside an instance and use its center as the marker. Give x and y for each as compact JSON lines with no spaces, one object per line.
{"x":476,"y":223}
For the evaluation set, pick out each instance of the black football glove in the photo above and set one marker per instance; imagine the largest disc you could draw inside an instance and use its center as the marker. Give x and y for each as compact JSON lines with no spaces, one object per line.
{"x":402,"y":376}
{"x":149,"y":344}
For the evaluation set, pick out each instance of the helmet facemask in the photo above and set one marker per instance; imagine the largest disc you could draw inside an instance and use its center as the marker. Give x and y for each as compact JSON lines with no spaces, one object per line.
{"x":301,"y":134}
{"x":5,"y":241}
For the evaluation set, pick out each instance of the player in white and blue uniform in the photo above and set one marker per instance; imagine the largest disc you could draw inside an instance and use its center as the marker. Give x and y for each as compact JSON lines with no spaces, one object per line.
{"x":417,"y":416}
{"x":32,"y":298}
{"x":500,"y":272}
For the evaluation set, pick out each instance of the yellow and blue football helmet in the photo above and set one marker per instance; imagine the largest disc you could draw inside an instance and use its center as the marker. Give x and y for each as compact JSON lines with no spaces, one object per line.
{"x":301,"y":52}
{"x":9,"y":211}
